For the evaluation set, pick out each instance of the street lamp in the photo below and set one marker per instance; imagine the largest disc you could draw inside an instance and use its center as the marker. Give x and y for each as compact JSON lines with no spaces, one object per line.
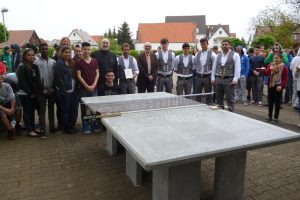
{"x":4,"y":10}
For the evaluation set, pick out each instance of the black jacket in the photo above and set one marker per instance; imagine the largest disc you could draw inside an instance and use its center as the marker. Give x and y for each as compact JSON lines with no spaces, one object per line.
{"x":106,"y":60}
{"x":29,"y":80}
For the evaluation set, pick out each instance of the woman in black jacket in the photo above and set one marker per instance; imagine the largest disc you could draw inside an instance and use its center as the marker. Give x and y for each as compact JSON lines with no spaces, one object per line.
{"x":30,"y":93}
{"x":66,"y":90}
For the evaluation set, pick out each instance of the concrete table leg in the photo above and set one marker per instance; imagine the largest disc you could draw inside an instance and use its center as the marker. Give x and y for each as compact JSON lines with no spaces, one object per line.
{"x":229,"y":176}
{"x":177,"y":183}
{"x":133,"y":170}
{"x":112,"y":143}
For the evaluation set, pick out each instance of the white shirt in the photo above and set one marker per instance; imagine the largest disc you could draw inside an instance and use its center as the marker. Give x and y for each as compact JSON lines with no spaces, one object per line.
{"x":165,"y":55}
{"x":135,"y":68}
{"x":185,"y":64}
{"x":237,"y":65}
{"x":203,"y":59}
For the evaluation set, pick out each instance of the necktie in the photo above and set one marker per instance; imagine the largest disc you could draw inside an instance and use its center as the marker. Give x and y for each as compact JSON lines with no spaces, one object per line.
{"x":148,"y":63}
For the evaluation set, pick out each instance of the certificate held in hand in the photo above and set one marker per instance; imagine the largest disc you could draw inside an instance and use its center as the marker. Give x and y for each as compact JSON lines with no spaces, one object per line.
{"x":128,"y":73}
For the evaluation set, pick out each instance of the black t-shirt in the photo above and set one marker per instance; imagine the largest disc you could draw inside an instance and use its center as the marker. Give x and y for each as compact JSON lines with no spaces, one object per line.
{"x":105,"y":90}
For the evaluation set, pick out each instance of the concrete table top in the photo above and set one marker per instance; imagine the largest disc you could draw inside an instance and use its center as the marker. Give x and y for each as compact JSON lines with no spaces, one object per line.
{"x":174,"y":136}
{"x":125,"y":97}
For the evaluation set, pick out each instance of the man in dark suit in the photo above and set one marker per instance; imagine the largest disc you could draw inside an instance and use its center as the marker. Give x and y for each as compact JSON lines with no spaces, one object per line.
{"x":148,"y":67}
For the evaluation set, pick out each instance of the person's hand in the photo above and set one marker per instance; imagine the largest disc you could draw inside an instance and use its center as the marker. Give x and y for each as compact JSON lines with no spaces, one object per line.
{"x":256,"y":73}
{"x":233,"y":83}
{"x":90,"y":89}
{"x":150,"y":77}
{"x":271,"y":51}
{"x":278,"y":88}
{"x":263,"y":68}
{"x":10,"y":112}
{"x":213,"y":82}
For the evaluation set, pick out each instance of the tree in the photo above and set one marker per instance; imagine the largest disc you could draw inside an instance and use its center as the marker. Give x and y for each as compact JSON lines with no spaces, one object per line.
{"x":237,"y":42}
{"x":2,"y":38}
{"x":266,"y":40}
{"x":114,"y":46}
{"x":109,"y":35}
{"x":114,"y":34}
{"x":124,"y":35}
{"x":293,"y":4}
{"x":277,"y":23}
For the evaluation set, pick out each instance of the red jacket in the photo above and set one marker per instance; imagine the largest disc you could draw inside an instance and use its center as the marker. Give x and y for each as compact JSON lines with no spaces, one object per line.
{"x":284,"y":75}
{"x":2,"y":68}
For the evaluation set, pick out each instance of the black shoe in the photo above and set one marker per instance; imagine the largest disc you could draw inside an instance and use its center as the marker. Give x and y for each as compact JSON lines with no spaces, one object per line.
{"x":42,"y":135}
{"x":275,"y":121}
{"x":71,"y":131}
{"x":268,"y":119}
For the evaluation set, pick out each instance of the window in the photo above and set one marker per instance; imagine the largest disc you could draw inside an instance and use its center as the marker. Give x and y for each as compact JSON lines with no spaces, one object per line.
{"x":220,"y":32}
{"x":74,"y":34}
{"x":197,"y":30}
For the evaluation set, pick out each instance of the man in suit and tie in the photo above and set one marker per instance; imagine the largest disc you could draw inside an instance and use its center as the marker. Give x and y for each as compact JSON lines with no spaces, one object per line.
{"x":148,"y":67}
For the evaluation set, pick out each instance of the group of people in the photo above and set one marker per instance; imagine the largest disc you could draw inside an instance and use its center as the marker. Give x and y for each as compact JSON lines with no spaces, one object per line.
{"x":77,"y":72}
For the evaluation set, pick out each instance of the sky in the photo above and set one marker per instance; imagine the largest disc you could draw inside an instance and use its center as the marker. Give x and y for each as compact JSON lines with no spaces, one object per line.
{"x":53,"y":19}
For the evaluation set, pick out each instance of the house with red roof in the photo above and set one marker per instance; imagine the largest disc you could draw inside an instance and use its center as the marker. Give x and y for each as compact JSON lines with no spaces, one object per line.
{"x":21,"y":37}
{"x":177,"y":33}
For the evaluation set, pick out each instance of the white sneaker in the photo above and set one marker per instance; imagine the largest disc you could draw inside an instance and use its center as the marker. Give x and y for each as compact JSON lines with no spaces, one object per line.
{"x":246,"y":104}
{"x":259,"y":103}
{"x":32,"y":134}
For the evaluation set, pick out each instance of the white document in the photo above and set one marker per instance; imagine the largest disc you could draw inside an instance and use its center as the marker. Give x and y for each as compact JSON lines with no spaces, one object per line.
{"x":128,"y":73}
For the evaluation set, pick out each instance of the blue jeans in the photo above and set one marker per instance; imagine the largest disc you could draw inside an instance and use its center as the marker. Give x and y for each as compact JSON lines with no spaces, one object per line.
{"x":69,"y":105}
{"x":84,"y":93}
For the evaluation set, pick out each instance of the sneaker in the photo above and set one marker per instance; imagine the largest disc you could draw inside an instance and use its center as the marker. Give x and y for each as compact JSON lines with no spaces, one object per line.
{"x":96,"y":128}
{"x":42,"y":135}
{"x":252,"y":102}
{"x":275,"y":121}
{"x":86,"y":129}
{"x":246,"y":104}
{"x":32,"y":134}
{"x":268,"y":119}
{"x":260,"y":103}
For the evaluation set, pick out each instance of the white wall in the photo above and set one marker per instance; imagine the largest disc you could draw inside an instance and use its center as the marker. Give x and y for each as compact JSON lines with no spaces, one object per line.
{"x":74,"y":38}
{"x":217,"y":38}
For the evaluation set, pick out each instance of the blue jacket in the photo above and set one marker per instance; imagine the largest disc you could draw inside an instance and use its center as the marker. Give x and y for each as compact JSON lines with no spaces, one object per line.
{"x":244,"y":65}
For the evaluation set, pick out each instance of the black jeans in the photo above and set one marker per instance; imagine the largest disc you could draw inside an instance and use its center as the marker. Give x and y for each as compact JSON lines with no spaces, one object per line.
{"x":274,"y":97}
{"x":29,"y":105}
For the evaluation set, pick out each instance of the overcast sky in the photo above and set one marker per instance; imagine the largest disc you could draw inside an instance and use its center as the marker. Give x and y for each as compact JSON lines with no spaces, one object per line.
{"x":57,"y":18}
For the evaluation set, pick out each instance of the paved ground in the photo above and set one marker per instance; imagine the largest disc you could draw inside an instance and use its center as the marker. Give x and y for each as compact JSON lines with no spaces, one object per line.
{"x":77,"y":167}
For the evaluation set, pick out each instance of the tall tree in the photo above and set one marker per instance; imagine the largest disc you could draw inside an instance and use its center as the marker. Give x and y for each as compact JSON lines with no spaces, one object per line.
{"x":2,"y":33}
{"x":109,"y":35}
{"x":114,"y":33}
{"x":277,"y":23}
{"x":124,"y":35}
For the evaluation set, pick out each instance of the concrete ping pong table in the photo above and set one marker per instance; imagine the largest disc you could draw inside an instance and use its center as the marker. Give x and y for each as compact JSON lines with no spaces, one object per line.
{"x":172,"y":142}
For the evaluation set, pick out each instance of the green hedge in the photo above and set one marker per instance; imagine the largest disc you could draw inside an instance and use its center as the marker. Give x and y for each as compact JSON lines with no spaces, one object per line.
{"x":133,"y":53}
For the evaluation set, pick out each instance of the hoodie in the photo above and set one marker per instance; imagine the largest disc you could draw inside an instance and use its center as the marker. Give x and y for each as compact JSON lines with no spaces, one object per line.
{"x":294,"y":64}
{"x":16,"y":57}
